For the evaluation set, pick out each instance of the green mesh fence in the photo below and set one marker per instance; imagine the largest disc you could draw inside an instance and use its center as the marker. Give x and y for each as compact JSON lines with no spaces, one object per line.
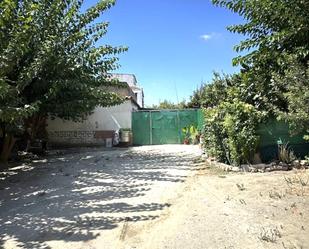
{"x":163,"y":126}
{"x":273,"y":133}
{"x":200,"y":120}
{"x":141,"y":128}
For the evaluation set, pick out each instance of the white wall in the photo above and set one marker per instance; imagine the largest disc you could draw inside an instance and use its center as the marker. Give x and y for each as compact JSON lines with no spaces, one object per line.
{"x":61,"y":131}
{"x":140,"y":97}
{"x":101,"y":119}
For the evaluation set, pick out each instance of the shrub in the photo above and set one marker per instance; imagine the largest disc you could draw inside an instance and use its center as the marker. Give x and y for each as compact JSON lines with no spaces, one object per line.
{"x":285,"y":154}
{"x":213,"y":133}
{"x":230,"y":132}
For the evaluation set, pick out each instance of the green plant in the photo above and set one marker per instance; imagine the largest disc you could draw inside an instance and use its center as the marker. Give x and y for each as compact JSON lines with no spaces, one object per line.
{"x":125,"y":129}
{"x":166,"y":104}
{"x":273,"y":78}
{"x":271,"y":28}
{"x":230,"y":132}
{"x":285,"y":154}
{"x":190,"y":134}
{"x":296,"y":80}
{"x":211,"y":94}
{"x":194,"y":135}
{"x":214,"y":134}
{"x":270,"y":234}
{"x":275,"y":63}
{"x":52,"y":64}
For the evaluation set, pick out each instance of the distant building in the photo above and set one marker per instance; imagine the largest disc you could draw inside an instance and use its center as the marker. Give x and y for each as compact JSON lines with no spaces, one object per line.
{"x":130,"y":79}
{"x":104,"y":121}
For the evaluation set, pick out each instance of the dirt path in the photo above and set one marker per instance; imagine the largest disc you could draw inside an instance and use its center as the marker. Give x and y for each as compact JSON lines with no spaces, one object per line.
{"x":151,"y":197}
{"x":234,"y":211}
{"x":90,"y":198}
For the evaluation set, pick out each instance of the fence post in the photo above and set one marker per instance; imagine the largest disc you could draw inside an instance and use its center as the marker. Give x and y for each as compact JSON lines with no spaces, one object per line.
{"x":150,"y":126}
{"x":179,"y":129}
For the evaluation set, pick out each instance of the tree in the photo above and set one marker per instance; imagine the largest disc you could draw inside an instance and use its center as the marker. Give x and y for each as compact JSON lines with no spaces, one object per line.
{"x":51,"y":63}
{"x":166,"y":104}
{"x":211,"y":93}
{"x":273,"y":28}
{"x":232,"y":115}
{"x":274,"y":68}
{"x":296,"y":79}
{"x":273,"y":80}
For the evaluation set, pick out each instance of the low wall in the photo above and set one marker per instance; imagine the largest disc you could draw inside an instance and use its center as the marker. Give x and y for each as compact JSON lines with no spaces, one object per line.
{"x":79,"y":138}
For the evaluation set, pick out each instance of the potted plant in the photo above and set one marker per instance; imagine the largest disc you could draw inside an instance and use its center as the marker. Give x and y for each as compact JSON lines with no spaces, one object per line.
{"x":194,"y":135}
{"x":191,"y":135}
{"x":186,"y":133}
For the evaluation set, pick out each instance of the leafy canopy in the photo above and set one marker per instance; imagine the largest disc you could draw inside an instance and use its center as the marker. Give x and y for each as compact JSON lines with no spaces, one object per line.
{"x":276,"y":65}
{"x":50,"y":60}
{"x":273,"y":80}
{"x":166,"y":104}
{"x":273,"y":28}
{"x":211,"y":93}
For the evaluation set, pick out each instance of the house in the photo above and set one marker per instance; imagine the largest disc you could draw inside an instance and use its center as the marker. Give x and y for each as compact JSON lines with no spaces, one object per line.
{"x":103,"y":122}
{"x":130,"y":79}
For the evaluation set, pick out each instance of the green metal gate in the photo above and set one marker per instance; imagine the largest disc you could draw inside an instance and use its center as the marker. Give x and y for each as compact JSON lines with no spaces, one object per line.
{"x":163,"y":126}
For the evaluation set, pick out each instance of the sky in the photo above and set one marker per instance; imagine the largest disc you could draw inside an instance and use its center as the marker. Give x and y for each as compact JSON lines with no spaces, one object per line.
{"x":174,"y":45}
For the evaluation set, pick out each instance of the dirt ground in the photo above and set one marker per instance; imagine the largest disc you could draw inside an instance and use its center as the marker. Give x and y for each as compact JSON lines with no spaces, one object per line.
{"x":149,"y":197}
{"x":220,"y":210}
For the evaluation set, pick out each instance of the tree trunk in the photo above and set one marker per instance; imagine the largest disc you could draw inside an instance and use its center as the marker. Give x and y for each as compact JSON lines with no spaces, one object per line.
{"x":8,"y":144}
{"x":36,"y":126}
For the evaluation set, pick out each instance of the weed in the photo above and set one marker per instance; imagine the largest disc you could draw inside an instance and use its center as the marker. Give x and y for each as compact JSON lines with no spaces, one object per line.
{"x":298,"y":184}
{"x":241,"y":187}
{"x":290,"y":246}
{"x":288,"y":180}
{"x":242,"y":201}
{"x":276,"y":195}
{"x":216,"y":170}
{"x":302,"y":181}
{"x":198,"y":160}
{"x":285,"y":154}
{"x":270,"y":235}
{"x":298,"y":179}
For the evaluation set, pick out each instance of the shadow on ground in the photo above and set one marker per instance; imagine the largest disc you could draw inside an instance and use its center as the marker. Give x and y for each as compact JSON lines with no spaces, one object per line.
{"x":64,"y":197}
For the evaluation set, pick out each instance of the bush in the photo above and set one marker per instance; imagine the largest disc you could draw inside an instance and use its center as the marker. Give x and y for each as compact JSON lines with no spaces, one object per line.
{"x":213,"y":133}
{"x":230,"y":132}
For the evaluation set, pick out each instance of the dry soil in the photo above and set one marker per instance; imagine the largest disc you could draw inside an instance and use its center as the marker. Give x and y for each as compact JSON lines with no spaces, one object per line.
{"x":149,"y":197}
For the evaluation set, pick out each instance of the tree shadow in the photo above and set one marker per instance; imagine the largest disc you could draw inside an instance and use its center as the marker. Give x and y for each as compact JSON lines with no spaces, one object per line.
{"x":72,"y":196}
